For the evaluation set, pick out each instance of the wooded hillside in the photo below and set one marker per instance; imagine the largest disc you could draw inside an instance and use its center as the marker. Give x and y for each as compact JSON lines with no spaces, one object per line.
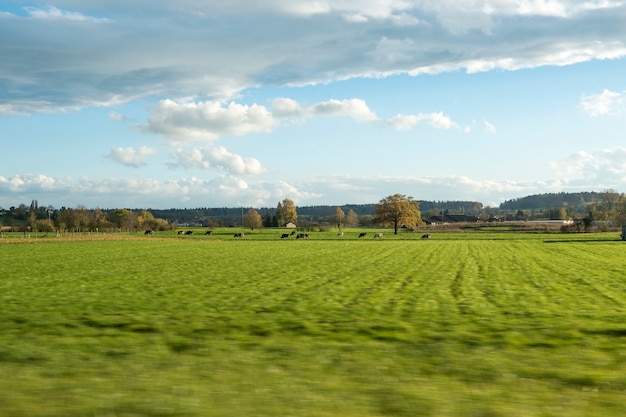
{"x":574,"y":201}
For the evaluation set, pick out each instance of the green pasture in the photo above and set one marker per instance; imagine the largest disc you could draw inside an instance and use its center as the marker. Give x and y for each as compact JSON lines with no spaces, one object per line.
{"x":462,"y":324}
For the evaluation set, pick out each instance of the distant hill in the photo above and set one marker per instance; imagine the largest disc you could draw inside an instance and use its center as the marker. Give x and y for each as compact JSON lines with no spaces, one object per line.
{"x":575,"y":201}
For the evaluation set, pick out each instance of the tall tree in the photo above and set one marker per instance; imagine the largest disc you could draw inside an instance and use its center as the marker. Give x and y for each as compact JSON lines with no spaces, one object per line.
{"x":397,"y":210}
{"x":125,"y":219}
{"x":252,"y":219}
{"x":286,"y":212}
{"x":352,"y":219}
{"x":280,"y":218}
{"x":82,"y":218}
{"x":338,"y":217}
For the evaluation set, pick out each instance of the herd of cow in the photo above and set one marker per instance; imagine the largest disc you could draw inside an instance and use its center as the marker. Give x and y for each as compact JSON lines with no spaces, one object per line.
{"x":298,"y":236}
{"x":240,"y":235}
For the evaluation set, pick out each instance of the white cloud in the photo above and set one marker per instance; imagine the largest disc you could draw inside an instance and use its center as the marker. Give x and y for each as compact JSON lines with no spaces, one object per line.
{"x":607,"y":167}
{"x":437,"y":120}
{"x":404,"y":19}
{"x":130,"y":156}
{"x":216,"y":157}
{"x":52,"y":12}
{"x":286,"y":107}
{"x":354,"y":108}
{"x":489,"y":127}
{"x":606,"y":103}
{"x":21,"y":183}
{"x":232,"y":191}
{"x":361,"y":11}
{"x":205,"y":121}
{"x":116,"y":116}
{"x":113,"y":115}
{"x":355,"y":18}
{"x":221,"y":191}
{"x":403,"y":122}
{"x":358,"y":110}
{"x":543,"y":8}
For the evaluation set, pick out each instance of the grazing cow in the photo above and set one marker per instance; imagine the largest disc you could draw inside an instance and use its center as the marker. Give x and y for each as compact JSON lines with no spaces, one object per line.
{"x":208,"y":232}
{"x":293,"y":232}
{"x":180,"y":232}
{"x":189,"y":232}
{"x":378,"y":235}
{"x":284,"y":236}
{"x":362,"y":235}
{"x":239,"y":235}
{"x":302,"y":235}
{"x":147,"y":232}
{"x":426,"y":236}
{"x":340,"y":234}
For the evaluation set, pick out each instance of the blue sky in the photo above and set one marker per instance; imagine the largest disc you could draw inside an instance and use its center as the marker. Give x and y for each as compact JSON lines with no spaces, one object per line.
{"x":208,"y":104}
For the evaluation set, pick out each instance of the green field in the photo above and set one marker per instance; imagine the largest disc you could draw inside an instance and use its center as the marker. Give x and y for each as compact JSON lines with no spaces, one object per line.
{"x":463,"y":324}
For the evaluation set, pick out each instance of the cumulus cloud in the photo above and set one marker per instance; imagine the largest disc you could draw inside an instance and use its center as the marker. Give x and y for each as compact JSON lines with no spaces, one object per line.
{"x":354,"y":108}
{"x":205,"y":121}
{"x":292,"y":43}
{"x":216,"y":157}
{"x":130,"y":156}
{"x":21,"y":183}
{"x":358,"y":110}
{"x":406,"y":122}
{"x":606,"y":103}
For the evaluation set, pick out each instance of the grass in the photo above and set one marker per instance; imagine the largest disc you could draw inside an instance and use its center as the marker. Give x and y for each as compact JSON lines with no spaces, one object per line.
{"x":463,"y":324}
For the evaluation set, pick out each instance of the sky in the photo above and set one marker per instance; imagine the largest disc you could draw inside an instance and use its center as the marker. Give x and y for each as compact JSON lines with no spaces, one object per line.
{"x":206,"y":103}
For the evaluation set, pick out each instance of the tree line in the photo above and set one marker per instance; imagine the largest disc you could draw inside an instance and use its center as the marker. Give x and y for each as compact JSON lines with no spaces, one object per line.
{"x":80,"y":219}
{"x":608,"y":207}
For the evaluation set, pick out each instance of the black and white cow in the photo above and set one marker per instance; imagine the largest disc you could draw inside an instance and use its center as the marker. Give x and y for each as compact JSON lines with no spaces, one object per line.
{"x":362,"y":234}
{"x":378,"y":235}
{"x":284,"y":236}
{"x":239,"y":235}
